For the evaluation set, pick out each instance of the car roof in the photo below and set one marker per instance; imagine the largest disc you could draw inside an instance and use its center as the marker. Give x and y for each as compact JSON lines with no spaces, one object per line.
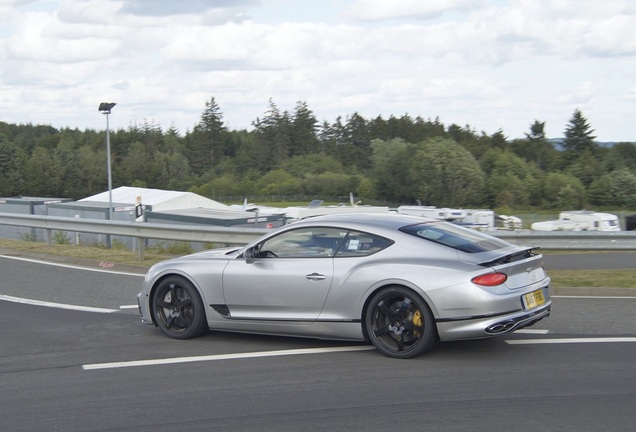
{"x":391,"y":221}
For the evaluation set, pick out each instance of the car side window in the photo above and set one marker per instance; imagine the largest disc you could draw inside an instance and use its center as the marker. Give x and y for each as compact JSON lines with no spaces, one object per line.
{"x":314,"y":242}
{"x":362,"y":244}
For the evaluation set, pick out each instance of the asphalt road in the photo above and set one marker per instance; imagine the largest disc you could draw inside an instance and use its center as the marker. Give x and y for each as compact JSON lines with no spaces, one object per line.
{"x":71,"y":370}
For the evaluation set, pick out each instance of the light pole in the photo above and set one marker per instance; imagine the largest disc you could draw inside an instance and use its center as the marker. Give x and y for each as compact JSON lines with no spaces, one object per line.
{"x":105,"y":108}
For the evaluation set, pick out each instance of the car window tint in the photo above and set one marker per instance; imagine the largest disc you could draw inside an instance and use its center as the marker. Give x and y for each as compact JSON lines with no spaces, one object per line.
{"x":303,"y":243}
{"x":456,"y":237}
{"x":362,"y":244}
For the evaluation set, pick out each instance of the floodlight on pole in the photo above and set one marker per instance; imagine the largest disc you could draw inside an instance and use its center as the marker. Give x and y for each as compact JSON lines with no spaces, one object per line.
{"x":105,"y":108}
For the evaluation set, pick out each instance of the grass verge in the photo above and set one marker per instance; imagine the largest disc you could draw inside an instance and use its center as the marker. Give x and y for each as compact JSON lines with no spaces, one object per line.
{"x":101,"y":254}
{"x":621,"y":278}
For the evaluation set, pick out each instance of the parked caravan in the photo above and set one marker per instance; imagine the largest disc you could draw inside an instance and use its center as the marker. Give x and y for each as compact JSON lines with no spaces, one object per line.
{"x":596,"y":221}
{"x":480,"y":219}
{"x":580,"y":220}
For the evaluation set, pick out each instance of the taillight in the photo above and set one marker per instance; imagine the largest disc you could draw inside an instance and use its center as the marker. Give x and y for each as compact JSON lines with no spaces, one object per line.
{"x":490,"y":279}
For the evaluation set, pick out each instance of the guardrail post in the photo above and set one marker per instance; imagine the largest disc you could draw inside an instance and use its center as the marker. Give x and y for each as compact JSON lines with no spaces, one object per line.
{"x":49,"y":236}
{"x":141,"y":247}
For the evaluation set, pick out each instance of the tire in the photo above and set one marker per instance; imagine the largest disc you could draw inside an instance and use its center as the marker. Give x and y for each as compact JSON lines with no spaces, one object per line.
{"x":178,"y":309}
{"x":400,"y":324}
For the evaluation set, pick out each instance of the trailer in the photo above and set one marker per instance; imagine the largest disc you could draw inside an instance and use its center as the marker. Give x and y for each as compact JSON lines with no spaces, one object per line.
{"x":596,"y":221}
{"x":580,"y":220}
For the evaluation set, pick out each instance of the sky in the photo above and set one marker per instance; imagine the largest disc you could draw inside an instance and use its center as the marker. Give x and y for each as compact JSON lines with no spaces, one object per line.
{"x":495,"y":65}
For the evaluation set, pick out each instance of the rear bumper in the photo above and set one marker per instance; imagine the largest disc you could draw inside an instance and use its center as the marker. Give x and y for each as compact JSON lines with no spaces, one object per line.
{"x":483,"y":327}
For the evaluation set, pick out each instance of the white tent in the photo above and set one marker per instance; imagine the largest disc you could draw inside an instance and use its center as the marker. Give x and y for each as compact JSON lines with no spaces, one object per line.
{"x":160,"y":200}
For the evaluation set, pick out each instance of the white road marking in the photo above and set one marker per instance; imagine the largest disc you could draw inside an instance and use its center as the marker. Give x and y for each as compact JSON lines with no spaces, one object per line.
{"x":596,"y":297}
{"x":99,"y":270}
{"x":175,"y":360}
{"x":532,"y":331}
{"x":129,"y":307}
{"x":55,"y":305}
{"x":571,"y":340}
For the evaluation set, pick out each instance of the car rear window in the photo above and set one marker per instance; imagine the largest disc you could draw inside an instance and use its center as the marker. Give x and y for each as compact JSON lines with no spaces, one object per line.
{"x":454,"y":236}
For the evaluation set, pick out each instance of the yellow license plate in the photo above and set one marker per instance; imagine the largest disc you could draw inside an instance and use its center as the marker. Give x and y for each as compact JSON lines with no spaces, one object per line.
{"x":533,"y":299}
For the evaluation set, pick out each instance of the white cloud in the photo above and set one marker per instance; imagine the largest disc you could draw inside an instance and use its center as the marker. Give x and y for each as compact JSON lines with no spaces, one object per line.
{"x":497,"y":64}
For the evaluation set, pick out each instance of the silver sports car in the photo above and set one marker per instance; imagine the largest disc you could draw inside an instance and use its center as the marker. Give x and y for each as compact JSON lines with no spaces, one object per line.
{"x":399,"y":281}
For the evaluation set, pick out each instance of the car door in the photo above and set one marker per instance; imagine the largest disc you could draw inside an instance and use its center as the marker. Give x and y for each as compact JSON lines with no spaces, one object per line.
{"x":289,"y":278}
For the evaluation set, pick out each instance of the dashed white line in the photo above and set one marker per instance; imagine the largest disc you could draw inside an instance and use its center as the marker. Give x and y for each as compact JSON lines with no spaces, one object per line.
{"x":532,"y":331}
{"x":258,"y":354}
{"x":55,"y":305}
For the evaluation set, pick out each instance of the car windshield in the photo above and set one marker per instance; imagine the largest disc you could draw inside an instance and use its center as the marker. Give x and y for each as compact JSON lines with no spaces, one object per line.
{"x":456,"y":237}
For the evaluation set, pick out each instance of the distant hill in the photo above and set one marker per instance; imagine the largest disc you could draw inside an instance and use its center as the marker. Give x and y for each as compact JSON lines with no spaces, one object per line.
{"x":558,"y":141}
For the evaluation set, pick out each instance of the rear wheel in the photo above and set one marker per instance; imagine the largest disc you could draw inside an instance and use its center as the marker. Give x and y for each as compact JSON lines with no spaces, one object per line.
{"x":400,"y":324}
{"x":178,"y":308}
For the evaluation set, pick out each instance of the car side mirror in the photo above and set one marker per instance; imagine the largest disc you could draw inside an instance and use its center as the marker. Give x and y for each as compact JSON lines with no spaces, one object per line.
{"x":249,"y":255}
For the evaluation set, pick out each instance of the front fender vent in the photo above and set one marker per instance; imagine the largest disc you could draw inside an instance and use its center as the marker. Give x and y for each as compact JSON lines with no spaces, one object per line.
{"x":223,"y":310}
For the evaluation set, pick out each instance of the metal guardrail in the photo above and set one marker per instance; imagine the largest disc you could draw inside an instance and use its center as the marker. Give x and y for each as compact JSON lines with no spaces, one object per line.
{"x":555,"y":240}
{"x":139,"y":230}
{"x":572,"y":240}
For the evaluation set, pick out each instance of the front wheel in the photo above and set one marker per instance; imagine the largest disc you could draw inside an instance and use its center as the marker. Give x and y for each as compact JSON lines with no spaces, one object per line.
{"x":400,"y":324}
{"x":178,"y":308}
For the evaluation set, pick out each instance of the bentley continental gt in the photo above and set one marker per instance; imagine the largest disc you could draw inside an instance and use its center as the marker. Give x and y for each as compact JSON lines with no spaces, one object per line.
{"x":401,"y":282}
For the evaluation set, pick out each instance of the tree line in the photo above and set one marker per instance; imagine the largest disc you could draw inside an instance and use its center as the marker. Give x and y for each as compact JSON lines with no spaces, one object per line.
{"x":399,"y":160}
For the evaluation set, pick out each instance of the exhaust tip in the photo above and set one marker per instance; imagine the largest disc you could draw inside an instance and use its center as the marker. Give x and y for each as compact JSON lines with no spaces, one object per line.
{"x":501,"y":327}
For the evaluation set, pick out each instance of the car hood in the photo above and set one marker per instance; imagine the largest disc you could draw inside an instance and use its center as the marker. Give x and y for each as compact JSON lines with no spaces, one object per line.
{"x":221,"y":253}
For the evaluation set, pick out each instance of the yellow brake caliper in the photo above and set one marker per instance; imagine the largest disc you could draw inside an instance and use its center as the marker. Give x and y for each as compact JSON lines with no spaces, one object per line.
{"x":417,"y":319}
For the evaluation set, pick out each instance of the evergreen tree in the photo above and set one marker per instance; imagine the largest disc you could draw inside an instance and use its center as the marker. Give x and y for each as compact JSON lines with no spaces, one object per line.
{"x":44,"y":174}
{"x":499,"y":140}
{"x":578,"y":135}
{"x":426,"y":129}
{"x":11,"y":161}
{"x":207,"y":142}
{"x":91,"y":170}
{"x":328,"y":136}
{"x":537,"y":131}
{"x":272,"y":139}
{"x":354,"y":143}
{"x":303,"y":138}
{"x":535,"y":147}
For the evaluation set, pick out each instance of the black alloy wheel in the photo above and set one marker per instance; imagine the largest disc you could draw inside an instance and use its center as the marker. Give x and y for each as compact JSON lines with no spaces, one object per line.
{"x":400,"y":324}
{"x":178,"y":308}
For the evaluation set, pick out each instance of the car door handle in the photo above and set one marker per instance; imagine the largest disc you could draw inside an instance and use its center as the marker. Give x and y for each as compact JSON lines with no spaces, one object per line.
{"x":316,"y":276}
